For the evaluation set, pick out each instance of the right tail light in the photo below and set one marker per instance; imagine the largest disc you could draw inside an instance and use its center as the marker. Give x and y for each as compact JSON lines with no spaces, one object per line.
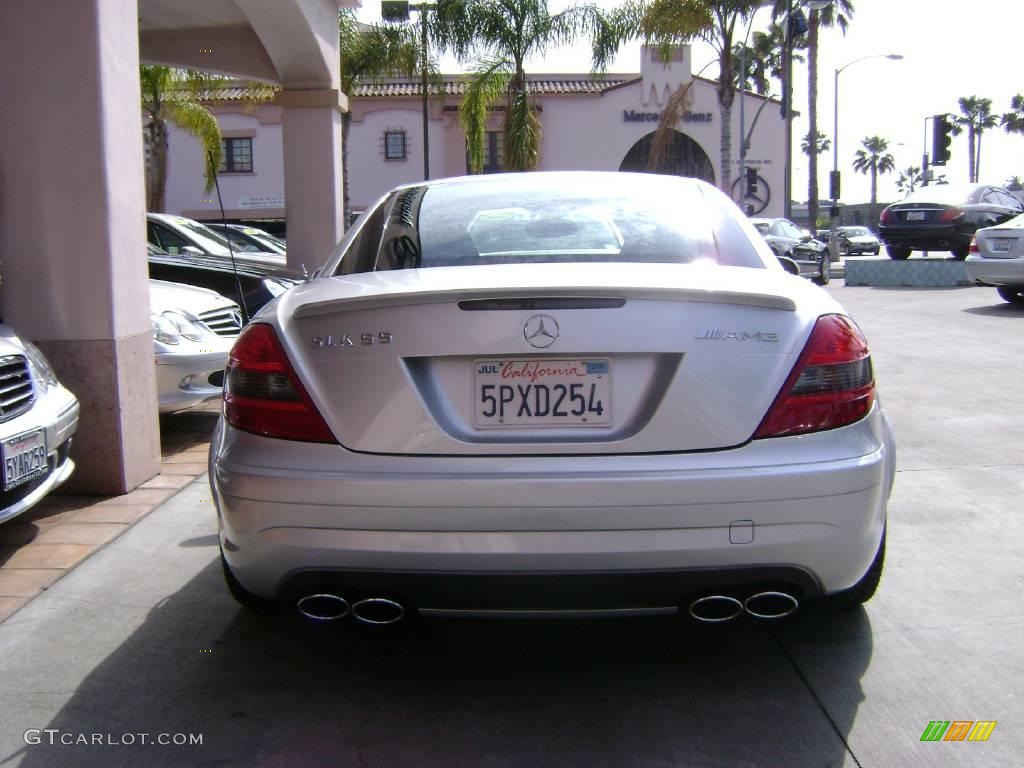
{"x":831,"y":385}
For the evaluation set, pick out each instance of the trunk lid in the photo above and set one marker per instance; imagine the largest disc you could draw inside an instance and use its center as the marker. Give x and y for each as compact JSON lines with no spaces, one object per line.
{"x":547,"y":358}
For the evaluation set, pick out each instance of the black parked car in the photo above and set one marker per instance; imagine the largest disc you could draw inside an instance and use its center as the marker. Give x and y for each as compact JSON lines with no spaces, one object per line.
{"x":788,"y":241}
{"x":944,"y":217}
{"x":260,"y":282}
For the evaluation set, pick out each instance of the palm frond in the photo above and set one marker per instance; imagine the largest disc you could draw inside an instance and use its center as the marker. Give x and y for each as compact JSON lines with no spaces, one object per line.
{"x":199,"y":121}
{"x":486,"y":85}
{"x":522,"y":134}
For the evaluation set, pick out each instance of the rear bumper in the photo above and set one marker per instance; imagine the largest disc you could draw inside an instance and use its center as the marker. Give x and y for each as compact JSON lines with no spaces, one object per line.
{"x":927,"y":238}
{"x":813,"y":505}
{"x":995,"y":271}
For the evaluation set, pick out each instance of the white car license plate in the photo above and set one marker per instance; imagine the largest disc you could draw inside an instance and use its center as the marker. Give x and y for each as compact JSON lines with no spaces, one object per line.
{"x":537,"y":393}
{"x":915,"y":216}
{"x":1002,"y":244}
{"x":24,"y":457}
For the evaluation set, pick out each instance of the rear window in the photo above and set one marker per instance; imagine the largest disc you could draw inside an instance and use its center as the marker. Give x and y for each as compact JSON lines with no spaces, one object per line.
{"x":542,"y":218}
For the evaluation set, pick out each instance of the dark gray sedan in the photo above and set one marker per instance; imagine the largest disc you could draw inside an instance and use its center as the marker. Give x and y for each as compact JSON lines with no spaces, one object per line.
{"x":788,"y":241}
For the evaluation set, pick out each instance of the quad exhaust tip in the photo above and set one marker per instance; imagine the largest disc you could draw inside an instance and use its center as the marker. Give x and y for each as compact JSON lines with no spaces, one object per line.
{"x":717,"y":609}
{"x":770,"y":605}
{"x":323,"y":607}
{"x":378,"y":611}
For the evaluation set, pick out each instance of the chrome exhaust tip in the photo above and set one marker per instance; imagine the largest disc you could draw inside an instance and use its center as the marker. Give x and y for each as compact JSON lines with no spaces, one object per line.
{"x":715,"y":609}
{"x":770,"y":605}
{"x":378,"y":610}
{"x":323,"y":607}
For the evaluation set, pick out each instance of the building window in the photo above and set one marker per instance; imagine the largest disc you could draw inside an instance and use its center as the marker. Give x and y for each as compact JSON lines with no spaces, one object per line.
{"x":494,"y":152}
{"x":394,"y":145}
{"x":235,"y":155}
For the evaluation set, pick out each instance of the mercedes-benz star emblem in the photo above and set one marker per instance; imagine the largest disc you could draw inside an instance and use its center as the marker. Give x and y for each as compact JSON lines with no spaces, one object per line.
{"x":540,"y":331}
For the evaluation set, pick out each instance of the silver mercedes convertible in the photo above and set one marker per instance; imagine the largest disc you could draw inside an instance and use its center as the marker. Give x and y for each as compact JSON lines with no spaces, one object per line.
{"x":552,"y":394}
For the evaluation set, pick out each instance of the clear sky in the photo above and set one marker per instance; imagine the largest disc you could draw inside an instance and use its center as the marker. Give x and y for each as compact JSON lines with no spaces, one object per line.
{"x":951,"y":48}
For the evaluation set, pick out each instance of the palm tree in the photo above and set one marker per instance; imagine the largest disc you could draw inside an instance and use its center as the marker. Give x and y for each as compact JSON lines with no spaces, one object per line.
{"x":874,"y":159}
{"x":765,"y":58}
{"x":822,"y":144}
{"x":976,"y":118}
{"x":368,"y":53}
{"x":1015,"y":184}
{"x":838,"y":13}
{"x":174,"y":95}
{"x":665,"y":23}
{"x":498,"y":36}
{"x":1013,"y":121}
{"x":908,"y":179}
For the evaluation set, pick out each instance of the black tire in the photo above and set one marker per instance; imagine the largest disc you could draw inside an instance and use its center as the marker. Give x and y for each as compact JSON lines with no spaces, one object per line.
{"x":244,"y":597}
{"x":898,"y":252}
{"x":960,"y":252}
{"x":1011,"y":293}
{"x":864,"y":589}
{"x":826,"y":271}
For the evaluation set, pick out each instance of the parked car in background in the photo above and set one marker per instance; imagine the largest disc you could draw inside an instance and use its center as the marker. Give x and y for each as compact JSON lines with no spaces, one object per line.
{"x":552,"y":392}
{"x":944,"y":217}
{"x":997,"y":259}
{"x":856,"y":241}
{"x":249,"y":239}
{"x":787,"y":240}
{"x":193,"y":329}
{"x":258,"y":280}
{"x":178,"y":235}
{"x":38,"y":418}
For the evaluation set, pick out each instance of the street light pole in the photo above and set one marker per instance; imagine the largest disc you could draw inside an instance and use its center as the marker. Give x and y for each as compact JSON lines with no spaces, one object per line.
{"x":834,"y":181}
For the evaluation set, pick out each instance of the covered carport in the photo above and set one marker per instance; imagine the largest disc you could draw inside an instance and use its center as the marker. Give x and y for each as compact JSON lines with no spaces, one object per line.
{"x":72,"y":200}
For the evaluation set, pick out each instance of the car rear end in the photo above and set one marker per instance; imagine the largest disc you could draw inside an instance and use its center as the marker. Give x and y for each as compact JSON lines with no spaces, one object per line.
{"x":997,"y":255}
{"x":581,"y":436}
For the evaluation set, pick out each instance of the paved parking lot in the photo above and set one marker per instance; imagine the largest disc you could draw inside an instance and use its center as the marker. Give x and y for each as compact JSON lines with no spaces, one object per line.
{"x":142,"y":639}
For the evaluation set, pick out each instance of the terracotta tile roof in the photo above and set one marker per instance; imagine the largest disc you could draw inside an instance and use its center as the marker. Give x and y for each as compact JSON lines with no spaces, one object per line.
{"x":538,"y":85}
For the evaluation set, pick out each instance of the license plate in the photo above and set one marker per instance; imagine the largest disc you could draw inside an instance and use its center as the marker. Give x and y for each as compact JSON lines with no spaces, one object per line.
{"x":542,"y":393}
{"x":915,"y":215}
{"x":24,"y":458}
{"x":1002,"y":244}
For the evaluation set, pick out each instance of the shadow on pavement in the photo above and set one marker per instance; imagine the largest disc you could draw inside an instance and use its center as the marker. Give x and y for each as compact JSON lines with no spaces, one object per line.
{"x":276,"y":691}
{"x":1002,"y":309}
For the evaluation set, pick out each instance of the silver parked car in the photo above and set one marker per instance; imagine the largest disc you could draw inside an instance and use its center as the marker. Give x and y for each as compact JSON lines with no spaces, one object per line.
{"x":552,"y":393}
{"x":193,"y":329}
{"x":38,"y":417}
{"x":997,"y":258}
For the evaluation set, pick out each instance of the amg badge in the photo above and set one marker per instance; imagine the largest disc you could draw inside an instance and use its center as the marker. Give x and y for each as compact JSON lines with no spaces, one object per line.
{"x":718,"y":334}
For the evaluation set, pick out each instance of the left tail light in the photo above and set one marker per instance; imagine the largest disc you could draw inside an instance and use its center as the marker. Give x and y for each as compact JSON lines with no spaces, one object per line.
{"x":886,"y":217}
{"x":973,"y":247}
{"x":263,"y":395}
{"x":831,"y":385}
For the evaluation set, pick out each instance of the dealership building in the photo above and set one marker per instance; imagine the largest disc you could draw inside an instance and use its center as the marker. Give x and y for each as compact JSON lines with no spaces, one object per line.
{"x":589,"y":122}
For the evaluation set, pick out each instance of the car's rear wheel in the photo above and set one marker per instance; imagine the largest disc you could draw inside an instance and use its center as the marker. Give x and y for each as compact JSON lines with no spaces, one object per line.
{"x":898,"y":252}
{"x":864,"y":589}
{"x":826,"y":271}
{"x":1011,"y":293}
{"x":960,"y":253}
{"x":243,"y":596}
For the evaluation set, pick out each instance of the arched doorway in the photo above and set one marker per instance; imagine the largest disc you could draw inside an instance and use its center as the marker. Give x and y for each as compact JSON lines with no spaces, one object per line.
{"x":684,"y":157}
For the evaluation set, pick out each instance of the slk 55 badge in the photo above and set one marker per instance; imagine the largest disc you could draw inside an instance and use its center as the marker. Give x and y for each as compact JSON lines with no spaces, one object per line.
{"x":347,"y":339}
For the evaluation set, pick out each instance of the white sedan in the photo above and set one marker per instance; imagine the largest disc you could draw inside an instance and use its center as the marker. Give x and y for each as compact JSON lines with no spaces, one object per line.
{"x":38,"y":418}
{"x":997,"y":258}
{"x":610,"y":399}
{"x":193,"y":329}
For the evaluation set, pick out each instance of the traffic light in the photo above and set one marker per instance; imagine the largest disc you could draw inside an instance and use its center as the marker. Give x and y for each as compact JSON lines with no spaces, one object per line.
{"x":833,"y":185}
{"x":941,"y":139}
{"x":751,"y":182}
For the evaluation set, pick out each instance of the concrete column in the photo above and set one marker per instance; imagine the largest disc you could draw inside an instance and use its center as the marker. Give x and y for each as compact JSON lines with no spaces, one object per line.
{"x":312,"y":173}
{"x":72,"y":223}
